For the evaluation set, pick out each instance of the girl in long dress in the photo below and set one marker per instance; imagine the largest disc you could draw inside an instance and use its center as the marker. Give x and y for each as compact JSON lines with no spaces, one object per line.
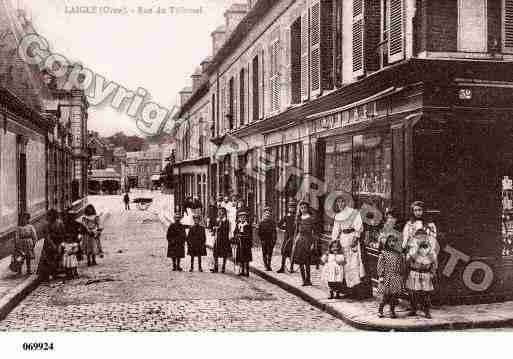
{"x":222,"y":245}
{"x":25,"y":242}
{"x":91,"y":238}
{"x":347,"y":228}
{"x":333,"y":269}
{"x":419,"y":221}
{"x":304,"y":244}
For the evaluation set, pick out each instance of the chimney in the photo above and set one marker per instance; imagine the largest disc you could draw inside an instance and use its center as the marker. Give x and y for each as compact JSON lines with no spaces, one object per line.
{"x":204,"y":64}
{"x":218,"y":37}
{"x":234,"y":15}
{"x":196,"y":79}
{"x":184,"y":95}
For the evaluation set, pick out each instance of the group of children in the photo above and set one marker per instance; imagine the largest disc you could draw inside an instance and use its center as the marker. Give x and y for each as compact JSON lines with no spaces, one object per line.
{"x":66,"y":243}
{"x":406,"y":266}
{"x":240,"y":237}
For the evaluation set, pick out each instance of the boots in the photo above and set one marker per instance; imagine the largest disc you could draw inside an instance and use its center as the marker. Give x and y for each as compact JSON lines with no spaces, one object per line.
{"x":282,"y":268}
{"x":192,"y":264}
{"x":303,"y":275}
{"x":247,"y":269}
{"x":223,"y":268}
{"x":174,"y":264}
{"x":392,"y":309}
{"x":427,"y":305}
{"x":380,"y":309}
{"x":199,"y":264}
{"x":178,"y":267}
{"x":216,"y":266}
{"x":307,"y":275}
{"x":291,"y":265}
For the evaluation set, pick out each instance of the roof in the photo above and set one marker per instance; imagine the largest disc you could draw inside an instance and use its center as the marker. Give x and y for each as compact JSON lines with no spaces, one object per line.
{"x":261,"y":8}
{"x":16,"y":75}
{"x":243,"y":7}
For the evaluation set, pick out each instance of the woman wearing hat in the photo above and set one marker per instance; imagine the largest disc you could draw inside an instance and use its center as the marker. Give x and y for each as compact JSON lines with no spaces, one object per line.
{"x":347,"y":228}
{"x":176,"y":237}
{"x":243,"y":237}
{"x":267,"y":234}
{"x":419,"y":221}
{"x":304,"y":245}
{"x":288,"y":224}
{"x":92,"y":231}
{"x":222,"y":246}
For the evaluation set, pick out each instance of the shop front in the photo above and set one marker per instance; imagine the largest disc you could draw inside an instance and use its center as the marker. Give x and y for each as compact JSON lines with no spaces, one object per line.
{"x":452,"y":149}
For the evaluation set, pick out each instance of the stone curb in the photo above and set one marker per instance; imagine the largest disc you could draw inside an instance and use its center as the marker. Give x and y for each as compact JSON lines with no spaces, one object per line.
{"x":14,"y":296}
{"x":17,"y":294}
{"x":347,"y":316}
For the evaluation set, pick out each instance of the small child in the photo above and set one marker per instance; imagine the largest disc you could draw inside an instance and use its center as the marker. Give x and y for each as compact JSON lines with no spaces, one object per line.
{"x":390,"y":270}
{"x":333,"y":270}
{"x":69,"y":250}
{"x":422,"y":264}
{"x":196,"y":242}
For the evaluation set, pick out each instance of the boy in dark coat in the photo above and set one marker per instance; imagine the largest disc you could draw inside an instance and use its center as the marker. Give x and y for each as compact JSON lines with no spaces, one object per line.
{"x":243,"y":236}
{"x":222,"y":245}
{"x":288,"y":224}
{"x":196,"y":242}
{"x":267,"y":234}
{"x":176,"y":237}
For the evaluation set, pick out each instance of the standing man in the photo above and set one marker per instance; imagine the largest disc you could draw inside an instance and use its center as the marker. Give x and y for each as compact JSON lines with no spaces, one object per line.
{"x":196,"y":242}
{"x":288,"y":224}
{"x":126,"y":199}
{"x":267,"y":234}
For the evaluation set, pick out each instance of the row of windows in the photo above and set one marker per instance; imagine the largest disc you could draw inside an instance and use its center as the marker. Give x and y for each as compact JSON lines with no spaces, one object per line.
{"x":306,"y":59}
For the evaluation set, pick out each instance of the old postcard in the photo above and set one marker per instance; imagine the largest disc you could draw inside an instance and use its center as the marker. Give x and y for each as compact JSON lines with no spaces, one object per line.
{"x":233,"y":166}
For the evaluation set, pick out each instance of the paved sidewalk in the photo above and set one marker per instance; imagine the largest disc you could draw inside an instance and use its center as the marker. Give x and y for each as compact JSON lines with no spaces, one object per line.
{"x":14,"y":288}
{"x":362,"y":314}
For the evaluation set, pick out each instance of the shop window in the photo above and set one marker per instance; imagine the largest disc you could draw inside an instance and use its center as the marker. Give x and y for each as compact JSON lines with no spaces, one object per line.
{"x":338,"y":170}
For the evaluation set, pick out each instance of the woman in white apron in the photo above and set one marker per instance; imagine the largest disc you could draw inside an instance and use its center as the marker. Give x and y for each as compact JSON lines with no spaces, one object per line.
{"x":347,"y":228}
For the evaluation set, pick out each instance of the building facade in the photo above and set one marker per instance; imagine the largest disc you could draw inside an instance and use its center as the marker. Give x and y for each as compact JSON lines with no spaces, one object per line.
{"x":389,"y":100}
{"x":144,"y":168}
{"x":37,"y":137}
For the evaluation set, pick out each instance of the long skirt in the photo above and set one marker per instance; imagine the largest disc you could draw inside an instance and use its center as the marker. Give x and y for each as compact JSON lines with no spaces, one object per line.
{"x":302,"y":253}
{"x":91,"y":245}
{"x":353,"y":267}
{"x":222,"y":248}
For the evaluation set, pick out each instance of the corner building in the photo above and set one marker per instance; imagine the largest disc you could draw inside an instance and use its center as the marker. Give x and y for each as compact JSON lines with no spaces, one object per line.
{"x":389,"y":100}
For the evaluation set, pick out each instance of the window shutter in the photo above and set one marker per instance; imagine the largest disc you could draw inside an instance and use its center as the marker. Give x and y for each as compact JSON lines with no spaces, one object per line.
{"x":256,"y":89}
{"x":507,"y":30}
{"x":275,"y":75}
{"x":327,"y":38}
{"x":315,"y":48}
{"x":295,"y":61}
{"x":358,"y":29}
{"x":395,"y":44}
{"x":286,"y":80}
{"x":305,"y":85}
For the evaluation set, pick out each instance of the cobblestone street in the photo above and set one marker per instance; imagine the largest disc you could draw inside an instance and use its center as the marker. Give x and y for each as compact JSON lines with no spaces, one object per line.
{"x":133,"y":288}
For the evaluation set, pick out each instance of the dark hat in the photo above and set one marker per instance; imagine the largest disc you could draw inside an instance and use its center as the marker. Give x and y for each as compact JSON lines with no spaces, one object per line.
{"x":417,"y":204}
{"x":242,"y":212}
{"x":90,"y":210}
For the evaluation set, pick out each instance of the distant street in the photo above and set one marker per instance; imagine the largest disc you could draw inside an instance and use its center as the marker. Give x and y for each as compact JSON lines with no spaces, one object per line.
{"x":134,"y":289}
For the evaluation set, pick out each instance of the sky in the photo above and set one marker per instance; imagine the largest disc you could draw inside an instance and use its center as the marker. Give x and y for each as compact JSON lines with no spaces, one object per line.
{"x":157,"y":52}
